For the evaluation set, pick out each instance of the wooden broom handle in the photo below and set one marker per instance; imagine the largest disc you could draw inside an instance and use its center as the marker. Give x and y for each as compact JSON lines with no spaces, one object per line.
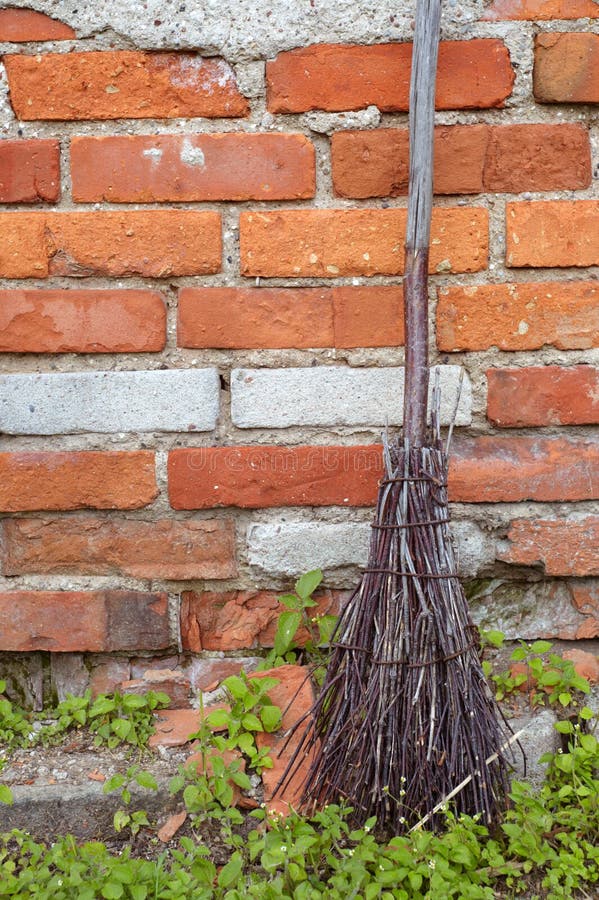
{"x":420,"y":204}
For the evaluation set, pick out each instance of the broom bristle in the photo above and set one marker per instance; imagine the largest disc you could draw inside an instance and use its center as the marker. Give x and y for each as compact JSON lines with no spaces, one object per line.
{"x":405,"y":713}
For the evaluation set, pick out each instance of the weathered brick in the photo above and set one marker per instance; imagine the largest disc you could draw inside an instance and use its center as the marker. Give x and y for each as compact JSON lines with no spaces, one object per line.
{"x":471,"y":74}
{"x":539,"y":10}
{"x":286,"y":548}
{"x":154,"y":243}
{"x":89,"y":479}
{"x":565,"y":69}
{"x":122,"y":84}
{"x":68,"y":621}
{"x":107,"y":402}
{"x":547,"y":395}
{"x":171,"y":682}
{"x":29,"y":170}
{"x":327,"y":243}
{"x":147,"y":169}
{"x":334,"y":395}
{"x":550,"y":608}
{"x":526,"y":316}
{"x":248,"y":318}
{"x":561,"y":546}
{"x":23,"y":251}
{"x":86,"y":544}
{"x":262,"y":476}
{"x":237,"y":620}
{"x":492,"y":469}
{"x":73,"y":321}
{"x":21,"y":25}
{"x":468,"y":159}
{"x":585,"y":597}
{"x":553,"y":233}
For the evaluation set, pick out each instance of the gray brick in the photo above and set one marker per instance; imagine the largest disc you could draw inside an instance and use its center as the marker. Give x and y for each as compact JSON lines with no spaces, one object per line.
{"x":334,"y":395}
{"x":288,"y":549}
{"x":70,"y":403}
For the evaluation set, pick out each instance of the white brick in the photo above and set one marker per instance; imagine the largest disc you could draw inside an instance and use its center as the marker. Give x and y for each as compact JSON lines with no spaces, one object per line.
{"x":69,"y":403}
{"x":291,"y":548}
{"x":334,"y":395}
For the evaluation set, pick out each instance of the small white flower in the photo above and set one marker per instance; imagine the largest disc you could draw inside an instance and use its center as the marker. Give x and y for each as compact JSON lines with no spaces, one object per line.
{"x":283,"y":848}
{"x":431,"y":863}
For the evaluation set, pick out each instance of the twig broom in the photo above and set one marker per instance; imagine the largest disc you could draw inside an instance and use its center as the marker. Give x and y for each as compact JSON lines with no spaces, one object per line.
{"x":405,"y":715}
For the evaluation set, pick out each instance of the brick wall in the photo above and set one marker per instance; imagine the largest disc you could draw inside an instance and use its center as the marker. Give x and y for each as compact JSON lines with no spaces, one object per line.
{"x":201,"y":324}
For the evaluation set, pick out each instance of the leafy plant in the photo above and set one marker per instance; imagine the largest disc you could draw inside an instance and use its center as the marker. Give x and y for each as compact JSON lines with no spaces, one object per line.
{"x":122,"y":817}
{"x":125,"y":718}
{"x":250,"y":710}
{"x":296,"y":618}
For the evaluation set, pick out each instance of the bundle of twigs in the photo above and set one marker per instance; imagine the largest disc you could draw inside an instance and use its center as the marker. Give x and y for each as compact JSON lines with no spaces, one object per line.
{"x":405,"y":714}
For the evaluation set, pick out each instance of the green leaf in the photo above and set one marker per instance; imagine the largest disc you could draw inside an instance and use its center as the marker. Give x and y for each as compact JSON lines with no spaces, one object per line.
{"x":241,"y":780}
{"x":565,"y":698}
{"x":588,"y":742}
{"x":112,"y":890}
{"x":519,"y":654}
{"x":289,"y":600}
{"x":236,"y":686}
{"x":540,"y":647}
{"x":251,"y":722}
{"x":6,"y":795}
{"x":122,"y":728}
{"x":102,"y":706}
{"x":114,"y":783}
{"x":146,"y":780}
{"x":326,"y":627}
{"x":271,"y":718}
{"x":586,"y":713}
{"x":308,"y":583}
{"x":218,"y":719}
{"x":287,"y":626}
{"x":133,"y":701}
{"x":564,"y":727}
{"x":229,"y":874}
{"x":494,"y":638}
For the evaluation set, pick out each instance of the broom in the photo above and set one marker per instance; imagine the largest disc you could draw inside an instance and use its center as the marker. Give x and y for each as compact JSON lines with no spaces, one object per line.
{"x":405,"y":715}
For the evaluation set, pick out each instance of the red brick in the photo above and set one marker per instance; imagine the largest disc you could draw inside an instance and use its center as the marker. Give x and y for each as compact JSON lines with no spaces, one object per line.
{"x":482,"y":469}
{"x":538,"y":158}
{"x":566,"y":68}
{"x":153,"y":168}
{"x":166,"y":548}
{"x":547,"y":395}
{"x":250,"y":318}
{"x":294,"y":696}
{"x":553,"y":233}
{"x":122,"y":84}
{"x":561,"y":546}
{"x":154,"y":243}
{"x":168,"y":681}
{"x":106,"y":673}
{"x":509,"y":469}
{"x":526,"y":316}
{"x":29,"y":170}
{"x":468,"y":159}
{"x":471,"y":75}
{"x":237,"y":620}
{"x":79,"y":621}
{"x":81,"y":479}
{"x":327,"y":243}
{"x":259,"y":476}
{"x":585,"y":663}
{"x":539,"y":10}
{"x":21,"y":25}
{"x":71,"y":321}
{"x":585,"y":598}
